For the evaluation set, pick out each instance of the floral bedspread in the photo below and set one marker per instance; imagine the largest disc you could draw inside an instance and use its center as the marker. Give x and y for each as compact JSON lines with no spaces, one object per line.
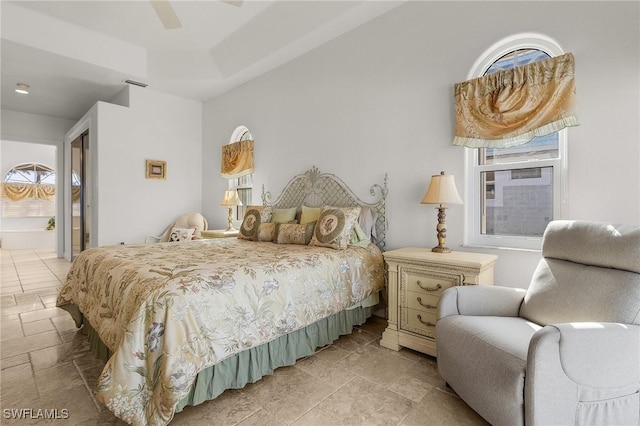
{"x":169,"y":310}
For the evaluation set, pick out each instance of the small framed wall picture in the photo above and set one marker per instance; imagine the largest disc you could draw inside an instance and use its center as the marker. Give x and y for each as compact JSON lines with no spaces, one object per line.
{"x":156,"y":169}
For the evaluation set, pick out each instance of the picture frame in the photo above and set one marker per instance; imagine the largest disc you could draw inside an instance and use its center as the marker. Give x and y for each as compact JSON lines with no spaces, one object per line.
{"x":156,"y":169}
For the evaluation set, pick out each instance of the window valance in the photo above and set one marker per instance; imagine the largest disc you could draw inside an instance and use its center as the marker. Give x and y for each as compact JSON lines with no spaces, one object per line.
{"x":237,"y":159}
{"x":39,"y":191}
{"x":513,"y":106}
{"x":21,"y":191}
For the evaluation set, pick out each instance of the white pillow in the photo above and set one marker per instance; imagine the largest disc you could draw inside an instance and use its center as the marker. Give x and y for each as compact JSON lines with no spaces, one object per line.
{"x":181,"y":234}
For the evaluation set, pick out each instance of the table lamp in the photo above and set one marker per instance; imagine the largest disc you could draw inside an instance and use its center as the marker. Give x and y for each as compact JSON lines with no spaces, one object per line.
{"x":230,"y":200}
{"x":442,"y":190}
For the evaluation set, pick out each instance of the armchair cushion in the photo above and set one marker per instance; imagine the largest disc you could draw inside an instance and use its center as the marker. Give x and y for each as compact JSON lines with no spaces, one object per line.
{"x":563,"y":291}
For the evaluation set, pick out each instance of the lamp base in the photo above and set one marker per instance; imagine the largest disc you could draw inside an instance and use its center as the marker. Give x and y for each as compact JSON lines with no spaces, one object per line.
{"x":230,"y":221}
{"x":441,"y":249}
{"x":442,"y":231}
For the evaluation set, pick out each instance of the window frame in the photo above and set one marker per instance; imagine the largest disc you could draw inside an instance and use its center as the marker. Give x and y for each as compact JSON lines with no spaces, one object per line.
{"x":473,"y":190}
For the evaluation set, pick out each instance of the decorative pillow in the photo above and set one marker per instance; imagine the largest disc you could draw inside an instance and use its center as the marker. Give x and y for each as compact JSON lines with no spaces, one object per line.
{"x":283,"y":215}
{"x":266,"y":231}
{"x":334,"y":226}
{"x":358,"y":237}
{"x":265,"y":212}
{"x":181,"y":234}
{"x":310,"y":214}
{"x":294,"y":233}
{"x":254,"y":216}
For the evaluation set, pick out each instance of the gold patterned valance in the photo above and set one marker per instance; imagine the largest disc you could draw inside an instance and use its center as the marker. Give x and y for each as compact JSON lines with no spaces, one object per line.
{"x":40,"y":191}
{"x":237,"y":159}
{"x":513,"y":106}
{"x":21,"y":191}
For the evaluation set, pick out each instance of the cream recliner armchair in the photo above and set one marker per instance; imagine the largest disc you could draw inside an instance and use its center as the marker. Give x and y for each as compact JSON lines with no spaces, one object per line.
{"x":564,"y":352}
{"x":188,"y":220}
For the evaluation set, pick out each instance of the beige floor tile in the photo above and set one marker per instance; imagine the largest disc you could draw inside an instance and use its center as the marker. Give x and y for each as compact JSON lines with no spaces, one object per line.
{"x":8,"y":300}
{"x":229,"y":408}
{"x":75,"y":399}
{"x":42,"y":314}
{"x":323,"y":365}
{"x":18,"y":395}
{"x":10,"y":329}
{"x":376,"y":364}
{"x":10,"y":290}
{"x":355,"y":340}
{"x":49,"y":379}
{"x":280,"y":393}
{"x":263,"y":418}
{"x":58,"y":354}
{"x":27,"y":344}
{"x":36,"y":327}
{"x":443,"y":409}
{"x":22,"y":299}
{"x":14,"y":360}
{"x":64,"y":323}
{"x":24,"y":307}
{"x":105,"y":418}
{"x":359,"y":402}
{"x":16,"y":375}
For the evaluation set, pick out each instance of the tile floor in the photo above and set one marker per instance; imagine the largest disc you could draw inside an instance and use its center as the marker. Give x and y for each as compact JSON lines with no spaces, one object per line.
{"x":46,"y":364}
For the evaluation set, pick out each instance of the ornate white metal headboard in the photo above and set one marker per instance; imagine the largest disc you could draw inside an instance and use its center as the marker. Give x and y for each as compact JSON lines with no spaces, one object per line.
{"x":315,"y":189}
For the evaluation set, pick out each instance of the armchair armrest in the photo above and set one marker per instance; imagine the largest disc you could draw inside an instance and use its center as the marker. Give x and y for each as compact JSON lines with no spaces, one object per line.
{"x":593,"y":369}
{"x":481,"y":300}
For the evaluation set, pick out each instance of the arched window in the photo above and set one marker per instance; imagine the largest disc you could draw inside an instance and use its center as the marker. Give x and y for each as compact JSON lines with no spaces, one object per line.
{"x":514,"y":192}
{"x":28,"y":190}
{"x":244,"y":184}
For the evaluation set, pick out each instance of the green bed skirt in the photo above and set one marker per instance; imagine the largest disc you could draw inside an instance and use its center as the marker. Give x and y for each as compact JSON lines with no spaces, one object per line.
{"x":251,"y":365}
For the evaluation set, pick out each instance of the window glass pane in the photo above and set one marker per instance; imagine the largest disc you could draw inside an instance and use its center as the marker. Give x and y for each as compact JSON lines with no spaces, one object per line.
{"x":517,"y":201}
{"x":540,"y":148}
{"x":517,"y":58}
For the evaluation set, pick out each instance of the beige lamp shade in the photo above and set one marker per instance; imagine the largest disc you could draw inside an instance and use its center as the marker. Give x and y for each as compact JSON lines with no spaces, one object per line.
{"x":230,"y":198}
{"x":442,"y":190}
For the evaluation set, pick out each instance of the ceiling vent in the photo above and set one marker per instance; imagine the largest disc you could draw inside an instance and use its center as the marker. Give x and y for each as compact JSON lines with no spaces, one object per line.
{"x":136,"y":83}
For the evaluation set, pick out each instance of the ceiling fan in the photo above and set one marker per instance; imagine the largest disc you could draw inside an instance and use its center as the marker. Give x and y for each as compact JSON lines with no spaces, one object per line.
{"x":168,"y":16}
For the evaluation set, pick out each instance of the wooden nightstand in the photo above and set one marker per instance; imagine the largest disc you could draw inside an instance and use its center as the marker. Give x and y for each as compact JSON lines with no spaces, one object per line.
{"x":219,"y":233}
{"x":416,"y":279}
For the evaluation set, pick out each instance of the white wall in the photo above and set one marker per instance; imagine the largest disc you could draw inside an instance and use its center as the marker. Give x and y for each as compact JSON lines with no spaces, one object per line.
{"x":380,"y":99}
{"x":128,"y":207}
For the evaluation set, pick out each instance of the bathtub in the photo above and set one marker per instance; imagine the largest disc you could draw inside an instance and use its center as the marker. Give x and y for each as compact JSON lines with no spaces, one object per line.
{"x":18,"y":239}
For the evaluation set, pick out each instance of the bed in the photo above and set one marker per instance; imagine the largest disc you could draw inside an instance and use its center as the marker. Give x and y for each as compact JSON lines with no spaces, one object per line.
{"x":179,"y":323}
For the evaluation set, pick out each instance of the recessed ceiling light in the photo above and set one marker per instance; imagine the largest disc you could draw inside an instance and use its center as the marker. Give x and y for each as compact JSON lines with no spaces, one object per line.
{"x":22,"y":88}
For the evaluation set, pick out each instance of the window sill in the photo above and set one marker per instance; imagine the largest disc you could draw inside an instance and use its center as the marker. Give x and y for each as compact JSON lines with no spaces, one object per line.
{"x":489,"y":247}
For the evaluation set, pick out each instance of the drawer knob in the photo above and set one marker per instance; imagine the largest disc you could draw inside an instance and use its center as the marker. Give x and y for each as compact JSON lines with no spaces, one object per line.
{"x":427,"y":323}
{"x":426,"y":305}
{"x":436,"y":288}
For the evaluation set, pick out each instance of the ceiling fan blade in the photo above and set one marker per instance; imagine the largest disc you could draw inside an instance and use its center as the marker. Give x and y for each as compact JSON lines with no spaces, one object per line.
{"x":167,"y":15}
{"x":236,"y":3}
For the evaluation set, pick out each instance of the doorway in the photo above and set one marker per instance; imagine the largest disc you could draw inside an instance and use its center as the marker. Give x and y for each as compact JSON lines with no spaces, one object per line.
{"x":80,"y":208}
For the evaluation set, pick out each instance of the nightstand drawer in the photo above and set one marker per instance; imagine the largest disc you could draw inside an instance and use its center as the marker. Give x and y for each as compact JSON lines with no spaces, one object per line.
{"x":419,"y":321}
{"x":421,"y":301}
{"x":432,"y":285}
